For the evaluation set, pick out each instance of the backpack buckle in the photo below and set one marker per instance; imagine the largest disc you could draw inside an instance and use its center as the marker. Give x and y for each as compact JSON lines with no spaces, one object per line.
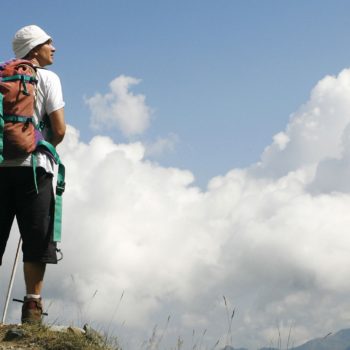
{"x":60,"y":188}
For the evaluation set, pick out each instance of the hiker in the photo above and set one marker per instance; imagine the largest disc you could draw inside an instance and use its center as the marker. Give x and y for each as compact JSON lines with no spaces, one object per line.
{"x":26,"y":194}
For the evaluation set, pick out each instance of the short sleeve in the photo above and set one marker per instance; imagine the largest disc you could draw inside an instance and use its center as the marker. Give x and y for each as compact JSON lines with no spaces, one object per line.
{"x":54,"y":97}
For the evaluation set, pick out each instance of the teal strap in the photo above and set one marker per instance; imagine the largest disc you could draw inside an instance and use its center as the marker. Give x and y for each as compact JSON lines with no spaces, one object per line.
{"x":57,"y":224}
{"x":1,"y":105}
{"x":60,"y":187}
{"x":41,"y":125}
{"x":23,"y":78}
{"x":51,"y":149}
{"x":19,"y":77}
{"x":34,"y":165}
{"x":25,"y":90}
{"x":1,"y":129}
{"x":18,"y":119}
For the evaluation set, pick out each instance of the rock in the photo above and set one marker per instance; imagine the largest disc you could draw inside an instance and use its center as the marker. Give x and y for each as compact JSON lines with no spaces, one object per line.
{"x":76,"y":330}
{"x":56,"y":328}
{"x":70,"y":329}
{"x":93,"y":335}
{"x":14,"y":333}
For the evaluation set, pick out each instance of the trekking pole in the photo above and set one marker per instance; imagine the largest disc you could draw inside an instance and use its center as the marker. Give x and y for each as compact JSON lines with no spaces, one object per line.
{"x":14,"y":268}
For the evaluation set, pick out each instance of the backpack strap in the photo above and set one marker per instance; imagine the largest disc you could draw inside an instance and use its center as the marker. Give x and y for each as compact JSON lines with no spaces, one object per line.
{"x":18,"y":119}
{"x":60,"y":187}
{"x":1,"y":129}
{"x":24,"y":80}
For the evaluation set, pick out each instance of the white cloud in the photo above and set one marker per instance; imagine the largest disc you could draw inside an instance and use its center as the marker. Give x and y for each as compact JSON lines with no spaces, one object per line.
{"x":281,"y":140}
{"x":161,"y":145}
{"x":315,"y":130}
{"x":272,"y":238}
{"x":120,"y":108}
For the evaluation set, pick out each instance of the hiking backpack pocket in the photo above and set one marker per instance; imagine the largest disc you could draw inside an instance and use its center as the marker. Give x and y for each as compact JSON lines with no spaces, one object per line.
{"x":19,"y":139}
{"x":18,"y":90}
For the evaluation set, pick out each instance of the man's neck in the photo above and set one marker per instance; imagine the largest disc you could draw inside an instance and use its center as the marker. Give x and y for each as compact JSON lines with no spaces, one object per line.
{"x":35,"y":62}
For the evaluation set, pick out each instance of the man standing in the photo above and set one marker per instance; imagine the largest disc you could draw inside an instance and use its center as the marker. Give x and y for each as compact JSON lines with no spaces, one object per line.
{"x":34,"y":207}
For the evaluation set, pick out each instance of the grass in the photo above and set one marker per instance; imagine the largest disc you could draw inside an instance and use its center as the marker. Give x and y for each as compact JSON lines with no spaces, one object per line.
{"x":36,"y":337}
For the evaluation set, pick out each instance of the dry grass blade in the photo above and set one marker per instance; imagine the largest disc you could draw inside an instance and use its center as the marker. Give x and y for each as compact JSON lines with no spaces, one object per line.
{"x":229,"y":322}
{"x":179,"y":343}
{"x":216,"y":344}
{"x":201,"y":340}
{"x":160,"y":338}
{"x":114,"y":314}
{"x":289,"y":335}
{"x":279,"y":341}
{"x":152,"y":339}
{"x":192,"y":340}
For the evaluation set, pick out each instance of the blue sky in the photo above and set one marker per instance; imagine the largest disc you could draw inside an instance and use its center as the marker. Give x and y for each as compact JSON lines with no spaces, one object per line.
{"x":224,"y":76}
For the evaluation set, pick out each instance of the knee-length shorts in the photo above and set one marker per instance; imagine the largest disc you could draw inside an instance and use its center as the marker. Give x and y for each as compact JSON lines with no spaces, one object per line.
{"x":33,"y":210}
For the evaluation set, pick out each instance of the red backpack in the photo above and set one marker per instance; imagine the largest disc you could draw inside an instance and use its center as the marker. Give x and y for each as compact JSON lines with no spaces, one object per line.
{"x":18,"y":88}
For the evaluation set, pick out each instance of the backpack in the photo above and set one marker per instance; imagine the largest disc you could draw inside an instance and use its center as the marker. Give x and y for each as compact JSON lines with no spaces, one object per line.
{"x":18,"y":88}
{"x":20,"y":135}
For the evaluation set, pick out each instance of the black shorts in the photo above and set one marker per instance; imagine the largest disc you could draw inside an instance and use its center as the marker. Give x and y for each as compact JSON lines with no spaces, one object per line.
{"x":34,"y":212}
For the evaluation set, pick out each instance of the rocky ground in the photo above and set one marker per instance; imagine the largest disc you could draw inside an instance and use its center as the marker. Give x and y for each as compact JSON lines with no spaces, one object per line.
{"x":18,"y":343}
{"x":25,"y":337}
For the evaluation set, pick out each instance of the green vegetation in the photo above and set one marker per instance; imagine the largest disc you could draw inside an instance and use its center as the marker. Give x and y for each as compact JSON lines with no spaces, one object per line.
{"x":36,"y":337}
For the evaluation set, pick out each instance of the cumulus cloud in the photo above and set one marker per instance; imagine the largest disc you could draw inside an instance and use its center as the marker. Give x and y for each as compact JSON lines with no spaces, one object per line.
{"x":161,"y":145}
{"x":120,"y":108}
{"x":314,"y":132}
{"x":273,"y":238}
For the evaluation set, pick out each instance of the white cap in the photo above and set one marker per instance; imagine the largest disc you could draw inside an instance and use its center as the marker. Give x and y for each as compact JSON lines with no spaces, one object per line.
{"x":27,"y":38}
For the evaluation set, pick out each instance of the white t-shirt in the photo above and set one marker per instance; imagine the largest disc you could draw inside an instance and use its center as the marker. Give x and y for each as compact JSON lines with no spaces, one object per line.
{"x":49,"y":98}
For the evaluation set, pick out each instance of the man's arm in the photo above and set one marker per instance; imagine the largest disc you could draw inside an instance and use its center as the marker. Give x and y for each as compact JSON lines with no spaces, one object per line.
{"x":58,"y":126}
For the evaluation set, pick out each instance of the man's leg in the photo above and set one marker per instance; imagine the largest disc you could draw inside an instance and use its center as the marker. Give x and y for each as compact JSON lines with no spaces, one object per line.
{"x":35,"y":221}
{"x":32,"y":308}
{"x":34,"y":277}
{"x":7,"y":207}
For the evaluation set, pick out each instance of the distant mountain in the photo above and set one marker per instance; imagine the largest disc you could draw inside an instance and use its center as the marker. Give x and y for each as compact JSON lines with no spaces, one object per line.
{"x":337,"y":341}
